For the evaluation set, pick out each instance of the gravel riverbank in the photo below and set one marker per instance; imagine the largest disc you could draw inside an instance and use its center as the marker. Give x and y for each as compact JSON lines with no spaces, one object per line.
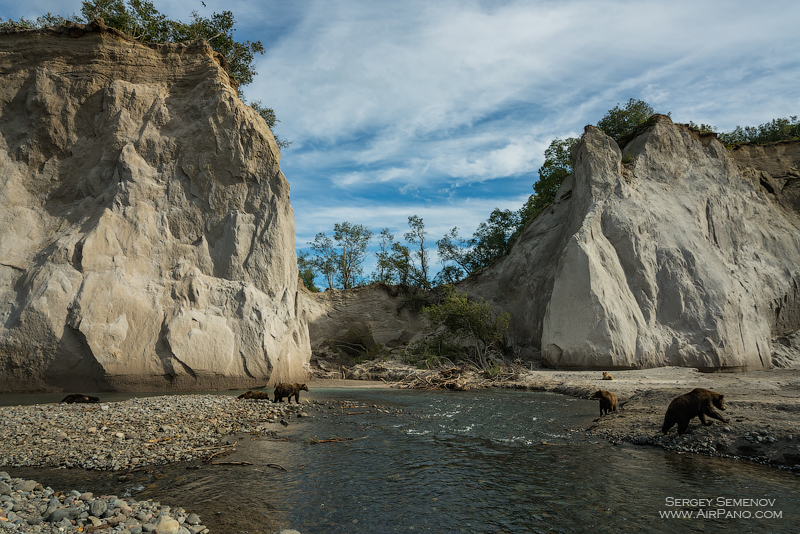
{"x":117,"y":436}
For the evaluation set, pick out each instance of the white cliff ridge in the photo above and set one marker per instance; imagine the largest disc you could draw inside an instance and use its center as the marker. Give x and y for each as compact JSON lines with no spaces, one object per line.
{"x":689,"y":255}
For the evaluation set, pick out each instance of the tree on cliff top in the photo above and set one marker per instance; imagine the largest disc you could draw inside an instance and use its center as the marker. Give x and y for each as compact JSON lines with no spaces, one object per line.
{"x":142,"y":21}
{"x":619,"y":123}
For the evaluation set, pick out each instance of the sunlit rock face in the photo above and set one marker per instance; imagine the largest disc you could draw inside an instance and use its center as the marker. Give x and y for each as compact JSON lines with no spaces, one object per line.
{"x":146,"y":235}
{"x":687,"y":254}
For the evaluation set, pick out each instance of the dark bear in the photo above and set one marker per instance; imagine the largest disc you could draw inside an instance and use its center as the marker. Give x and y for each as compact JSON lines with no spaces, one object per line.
{"x":289,"y":390}
{"x":697,"y":403}
{"x":254,"y":395}
{"x":69,"y":399}
{"x":608,"y":401}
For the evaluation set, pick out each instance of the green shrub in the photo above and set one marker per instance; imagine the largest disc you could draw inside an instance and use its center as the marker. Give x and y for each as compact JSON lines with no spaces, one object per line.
{"x":475,"y":328}
{"x":786,"y":129}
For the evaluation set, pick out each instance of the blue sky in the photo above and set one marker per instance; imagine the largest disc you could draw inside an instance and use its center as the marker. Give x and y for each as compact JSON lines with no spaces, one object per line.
{"x":444,"y":109}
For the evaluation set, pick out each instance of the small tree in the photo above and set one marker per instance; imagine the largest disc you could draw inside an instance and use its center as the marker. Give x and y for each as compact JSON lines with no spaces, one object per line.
{"x":495,"y":237}
{"x":385,"y":272}
{"x":341,"y":262}
{"x":416,"y":236}
{"x":269,"y":116}
{"x":459,"y":319}
{"x":401,"y":262}
{"x":556,"y":167}
{"x":326,"y":260}
{"x":458,"y":250}
{"x":619,"y":123}
{"x":702,"y":128}
{"x":352,"y":240}
{"x":305,"y":268}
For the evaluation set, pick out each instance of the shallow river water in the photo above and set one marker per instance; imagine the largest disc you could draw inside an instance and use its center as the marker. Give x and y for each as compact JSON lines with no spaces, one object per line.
{"x":472,"y":462}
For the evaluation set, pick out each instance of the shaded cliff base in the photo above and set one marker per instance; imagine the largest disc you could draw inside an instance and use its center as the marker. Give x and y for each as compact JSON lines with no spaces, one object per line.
{"x":763,"y":407}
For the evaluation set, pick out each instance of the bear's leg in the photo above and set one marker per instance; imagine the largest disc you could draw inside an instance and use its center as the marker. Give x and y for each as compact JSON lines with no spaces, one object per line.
{"x":713,"y":413}
{"x":683,"y":426}
{"x":667,"y":425}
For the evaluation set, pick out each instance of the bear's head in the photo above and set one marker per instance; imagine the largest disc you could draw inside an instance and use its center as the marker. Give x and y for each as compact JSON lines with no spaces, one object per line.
{"x":305,"y":388}
{"x":719,"y":402}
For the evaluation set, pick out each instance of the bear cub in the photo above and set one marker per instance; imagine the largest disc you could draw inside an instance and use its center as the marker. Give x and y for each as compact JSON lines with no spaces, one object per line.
{"x":254,"y":395}
{"x":697,"y":403}
{"x":608,"y":401}
{"x":289,"y":390}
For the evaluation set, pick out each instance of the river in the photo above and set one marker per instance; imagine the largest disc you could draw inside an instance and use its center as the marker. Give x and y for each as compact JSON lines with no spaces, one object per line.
{"x":387,"y":460}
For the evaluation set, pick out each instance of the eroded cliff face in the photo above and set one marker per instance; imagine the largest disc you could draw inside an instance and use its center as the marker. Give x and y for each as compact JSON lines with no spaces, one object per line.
{"x":146,"y":235}
{"x":366,"y":316}
{"x":689,"y":255}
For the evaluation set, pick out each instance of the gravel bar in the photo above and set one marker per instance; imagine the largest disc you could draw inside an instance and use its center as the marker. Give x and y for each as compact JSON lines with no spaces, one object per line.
{"x":117,"y":436}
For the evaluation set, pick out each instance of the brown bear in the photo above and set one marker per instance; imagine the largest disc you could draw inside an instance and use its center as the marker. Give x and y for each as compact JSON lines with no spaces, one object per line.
{"x":608,"y":401}
{"x":253,"y":395}
{"x":697,"y":403}
{"x":69,"y":399}
{"x":607,"y":376}
{"x":289,"y":390}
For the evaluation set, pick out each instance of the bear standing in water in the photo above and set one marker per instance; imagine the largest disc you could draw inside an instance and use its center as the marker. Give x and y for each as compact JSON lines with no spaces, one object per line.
{"x":289,"y":390}
{"x":697,"y":403}
{"x":608,"y":401}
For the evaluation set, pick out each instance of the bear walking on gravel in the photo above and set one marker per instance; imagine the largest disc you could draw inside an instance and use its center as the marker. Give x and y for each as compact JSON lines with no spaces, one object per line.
{"x":697,"y":403}
{"x":289,"y":390}
{"x":261,"y":395}
{"x":608,"y":401}
{"x":69,"y":399}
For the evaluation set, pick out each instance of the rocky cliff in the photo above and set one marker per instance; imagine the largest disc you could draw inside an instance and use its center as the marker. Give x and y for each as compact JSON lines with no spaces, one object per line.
{"x":364,"y":317}
{"x":146,"y":235}
{"x":688,"y":254}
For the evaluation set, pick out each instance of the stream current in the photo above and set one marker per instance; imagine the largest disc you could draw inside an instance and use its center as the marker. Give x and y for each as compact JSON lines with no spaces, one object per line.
{"x":387,"y":460}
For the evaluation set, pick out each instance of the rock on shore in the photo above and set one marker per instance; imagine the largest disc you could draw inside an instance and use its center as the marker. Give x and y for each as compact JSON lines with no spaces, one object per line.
{"x":27,"y":506}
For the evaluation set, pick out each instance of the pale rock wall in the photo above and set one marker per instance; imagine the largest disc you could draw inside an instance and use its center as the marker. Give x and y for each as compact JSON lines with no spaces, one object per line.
{"x":146,"y":235}
{"x":376,"y":314}
{"x":677,"y":258}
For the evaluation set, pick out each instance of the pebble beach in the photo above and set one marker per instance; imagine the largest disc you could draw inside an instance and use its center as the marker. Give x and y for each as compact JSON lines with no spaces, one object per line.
{"x":118,"y":436}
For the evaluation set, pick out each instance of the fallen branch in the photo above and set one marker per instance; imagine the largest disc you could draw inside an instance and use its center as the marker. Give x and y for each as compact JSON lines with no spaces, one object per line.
{"x":277,"y":466}
{"x":231,"y":463}
{"x":218,"y":453}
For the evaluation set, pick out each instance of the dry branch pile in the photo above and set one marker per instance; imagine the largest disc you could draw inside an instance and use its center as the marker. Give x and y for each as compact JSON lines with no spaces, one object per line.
{"x":458,"y":378}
